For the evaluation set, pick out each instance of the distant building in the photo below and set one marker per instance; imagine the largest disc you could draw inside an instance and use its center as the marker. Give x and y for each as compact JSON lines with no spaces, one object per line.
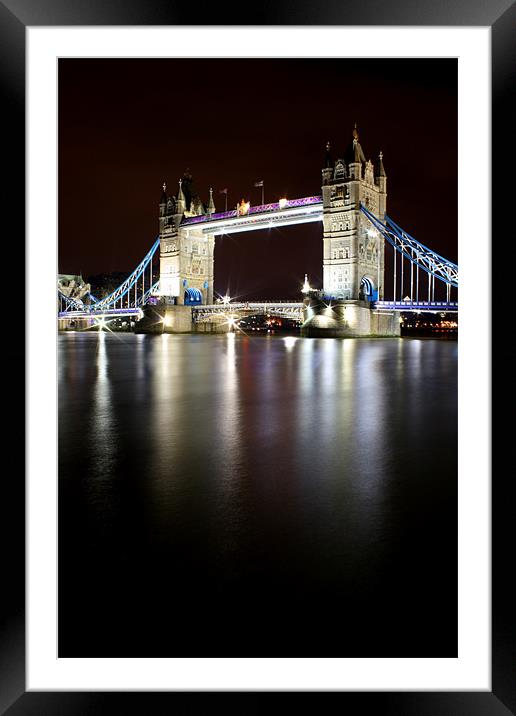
{"x":72,"y":286}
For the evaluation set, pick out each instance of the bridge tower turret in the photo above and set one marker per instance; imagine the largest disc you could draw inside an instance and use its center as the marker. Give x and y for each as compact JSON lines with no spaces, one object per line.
{"x":327,"y":172}
{"x":162,"y":207}
{"x":181,"y":201}
{"x":353,"y":255}
{"x":381,"y":181}
{"x":211,"y":204}
{"x":170,"y":214}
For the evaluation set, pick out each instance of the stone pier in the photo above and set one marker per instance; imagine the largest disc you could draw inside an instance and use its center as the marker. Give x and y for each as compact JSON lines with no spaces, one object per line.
{"x":163,"y":318}
{"x":347,"y":319}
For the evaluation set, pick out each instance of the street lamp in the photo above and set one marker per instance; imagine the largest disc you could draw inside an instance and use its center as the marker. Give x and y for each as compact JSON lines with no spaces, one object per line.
{"x":306,"y":286}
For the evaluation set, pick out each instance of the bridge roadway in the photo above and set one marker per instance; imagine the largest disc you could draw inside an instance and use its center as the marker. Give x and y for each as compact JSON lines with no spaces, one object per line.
{"x":281,"y":309}
{"x":294,"y":310}
{"x":417,"y":306}
{"x":106,"y":313}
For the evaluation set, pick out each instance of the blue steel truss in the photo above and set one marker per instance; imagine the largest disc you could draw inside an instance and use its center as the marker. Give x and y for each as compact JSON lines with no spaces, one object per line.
{"x":105,"y":305}
{"x":70,"y":304}
{"x":142,"y":299}
{"x":416,"y":252}
{"x":120,"y":292}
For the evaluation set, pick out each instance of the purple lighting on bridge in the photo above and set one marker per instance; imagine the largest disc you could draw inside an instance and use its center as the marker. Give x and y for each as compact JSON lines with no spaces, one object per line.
{"x":261,"y":209}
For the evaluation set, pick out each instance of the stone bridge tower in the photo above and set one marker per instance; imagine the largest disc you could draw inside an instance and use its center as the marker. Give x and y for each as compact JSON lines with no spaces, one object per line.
{"x":186,"y":253}
{"x":353,"y":255}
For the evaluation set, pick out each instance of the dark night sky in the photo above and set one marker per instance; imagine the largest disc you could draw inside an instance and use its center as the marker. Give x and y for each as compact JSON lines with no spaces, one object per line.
{"x":126,"y":125}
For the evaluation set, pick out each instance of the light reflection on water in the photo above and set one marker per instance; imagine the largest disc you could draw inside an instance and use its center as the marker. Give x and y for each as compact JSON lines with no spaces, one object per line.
{"x":102,"y":435}
{"x":241,"y":457}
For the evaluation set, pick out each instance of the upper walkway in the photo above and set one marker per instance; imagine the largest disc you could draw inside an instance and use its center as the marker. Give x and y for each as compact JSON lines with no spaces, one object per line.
{"x":286,"y":212}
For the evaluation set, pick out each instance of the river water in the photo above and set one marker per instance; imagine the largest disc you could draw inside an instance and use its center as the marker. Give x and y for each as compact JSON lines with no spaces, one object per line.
{"x":257,"y":496}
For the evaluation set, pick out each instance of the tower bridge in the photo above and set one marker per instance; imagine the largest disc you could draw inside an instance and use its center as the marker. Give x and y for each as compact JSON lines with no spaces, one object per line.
{"x":357,"y":236}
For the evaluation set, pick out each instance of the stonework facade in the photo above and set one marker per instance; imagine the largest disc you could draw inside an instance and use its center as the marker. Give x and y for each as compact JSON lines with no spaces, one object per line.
{"x":186,"y":253}
{"x":353,"y":255}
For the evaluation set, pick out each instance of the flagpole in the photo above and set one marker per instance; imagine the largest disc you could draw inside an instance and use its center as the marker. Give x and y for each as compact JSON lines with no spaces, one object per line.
{"x":261,"y":184}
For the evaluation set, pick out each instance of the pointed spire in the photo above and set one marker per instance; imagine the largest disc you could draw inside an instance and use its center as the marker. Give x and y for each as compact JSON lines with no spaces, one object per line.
{"x":328,"y":161}
{"x":163,"y":199}
{"x":380,"y":171}
{"x":354,"y":154}
{"x":180,"y":195}
{"x":211,"y":203}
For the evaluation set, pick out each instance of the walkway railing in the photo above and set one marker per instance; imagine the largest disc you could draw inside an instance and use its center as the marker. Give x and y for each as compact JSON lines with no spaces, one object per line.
{"x":417,"y":307}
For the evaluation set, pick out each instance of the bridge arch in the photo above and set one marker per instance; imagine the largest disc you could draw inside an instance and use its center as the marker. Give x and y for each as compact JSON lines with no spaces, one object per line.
{"x":193,"y":297}
{"x":368,"y":290}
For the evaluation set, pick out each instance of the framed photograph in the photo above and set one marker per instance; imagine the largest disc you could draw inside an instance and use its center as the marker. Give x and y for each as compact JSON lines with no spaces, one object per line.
{"x":258,"y":450}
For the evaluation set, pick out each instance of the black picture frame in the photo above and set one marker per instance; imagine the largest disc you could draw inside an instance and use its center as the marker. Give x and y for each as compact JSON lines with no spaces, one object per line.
{"x":15,"y":16}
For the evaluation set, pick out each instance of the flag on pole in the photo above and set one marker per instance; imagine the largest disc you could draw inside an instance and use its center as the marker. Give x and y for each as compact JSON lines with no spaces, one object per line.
{"x":225,"y":192}
{"x":259,"y":183}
